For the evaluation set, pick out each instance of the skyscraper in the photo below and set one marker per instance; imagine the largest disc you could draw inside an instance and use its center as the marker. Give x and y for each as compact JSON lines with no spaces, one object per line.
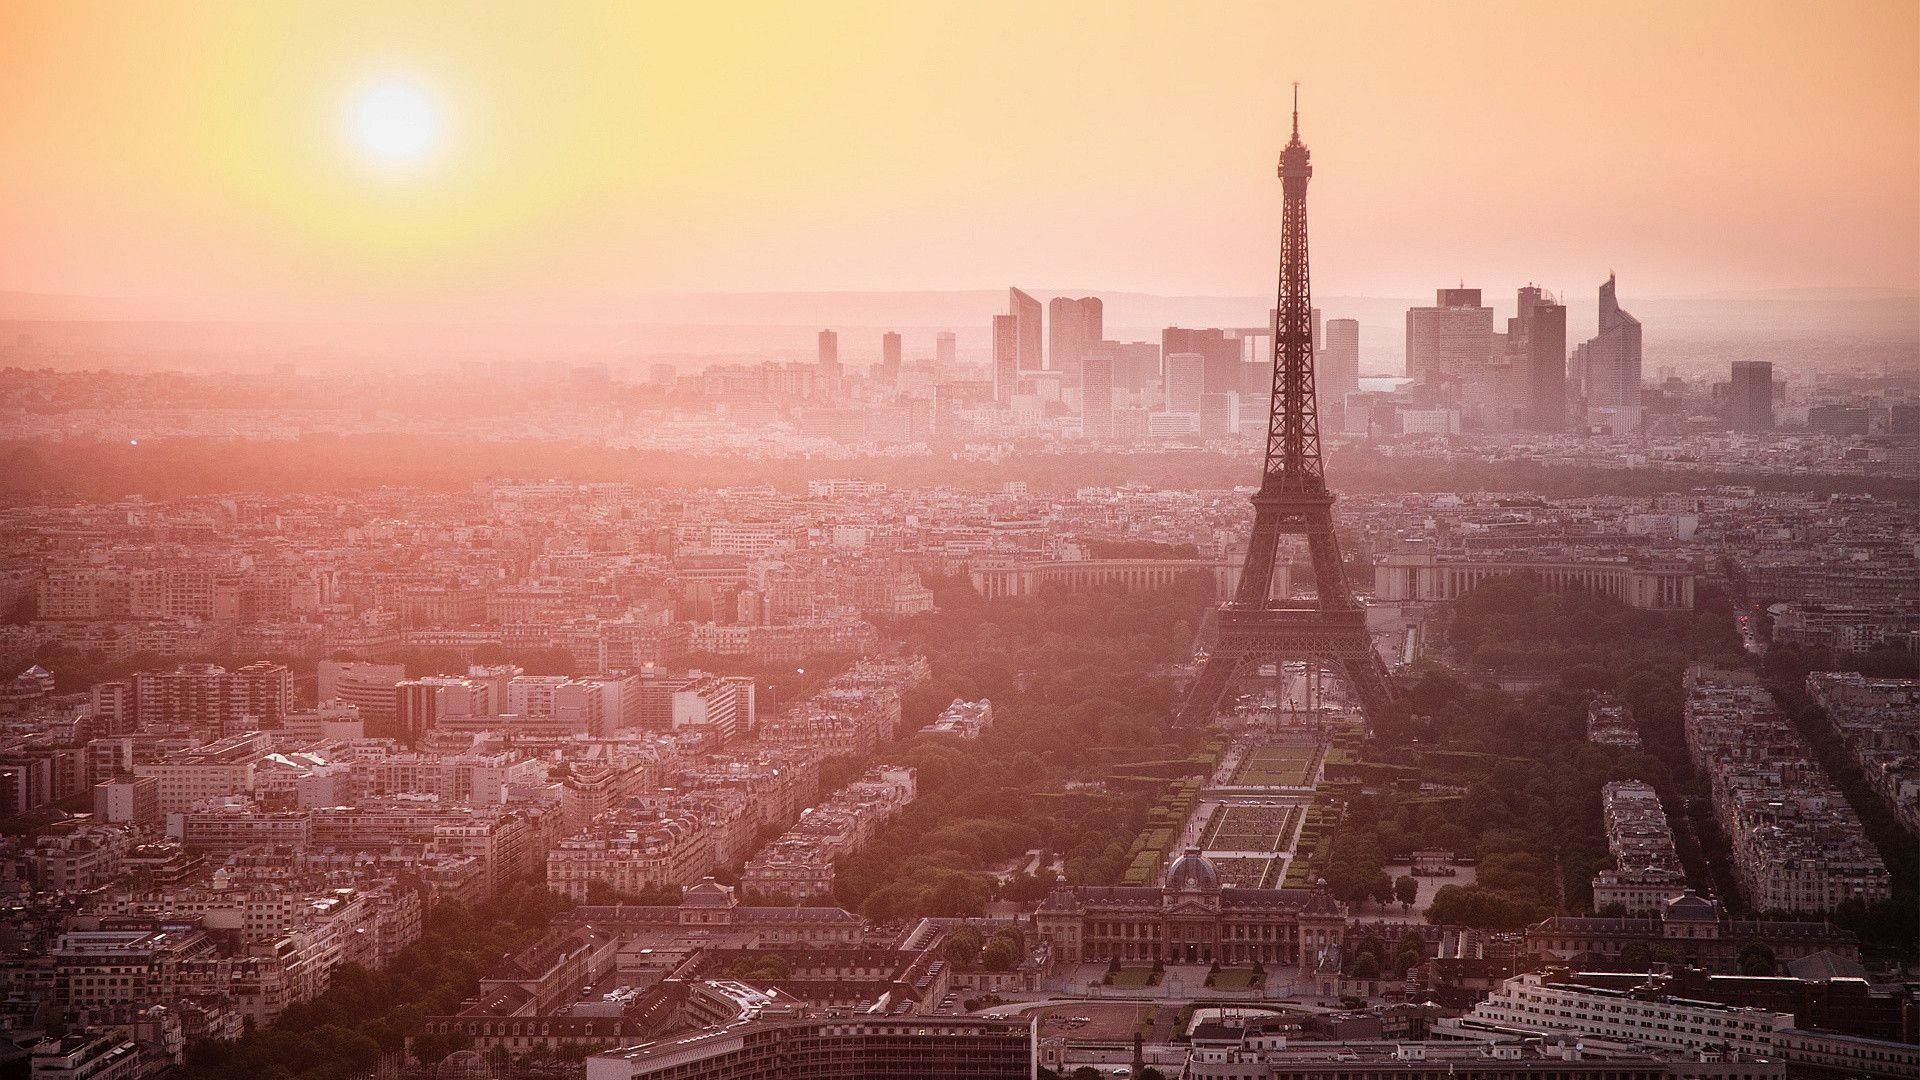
{"x":258,"y":695}
{"x":1186,"y":381}
{"x":829,"y":349}
{"x":945,"y":353}
{"x":1750,"y":397}
{"x":1220,"y":356}
{"x":1006,"y":358}
{"x":1256,"y":379}
{"x":1609,"y":363}
{"x":890,"y":352}
{"x":1338,"y":369}
{"x":1074,"y":327}
{"x":1026,"y":320}
{"x":1096,"y":394}
{"x":1448,"y":339}
{"x":1219,"y":415}
{"x":1537,"y":340}
{"x":1136,"y":364}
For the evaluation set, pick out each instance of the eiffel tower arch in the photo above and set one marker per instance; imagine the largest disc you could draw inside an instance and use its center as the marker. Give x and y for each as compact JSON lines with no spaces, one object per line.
{"x":1255,"y":628}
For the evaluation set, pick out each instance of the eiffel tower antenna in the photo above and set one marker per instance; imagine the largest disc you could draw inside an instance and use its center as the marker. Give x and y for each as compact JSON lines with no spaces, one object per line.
{"x":1255,"y":627}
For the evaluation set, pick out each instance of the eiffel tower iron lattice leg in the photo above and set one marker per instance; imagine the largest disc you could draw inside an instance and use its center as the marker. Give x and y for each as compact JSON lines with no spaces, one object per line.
{"x":1330,"y":630}
{"x":1254,"y":628}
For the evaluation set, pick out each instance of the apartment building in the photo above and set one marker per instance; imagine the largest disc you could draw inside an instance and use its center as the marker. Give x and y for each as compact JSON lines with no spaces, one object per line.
{"x":210,"y":772}
{"x":631,"y":856}
{"x":1537,"y":1002}
{"x":1797,"y":844}
{"x":1646,"y":869}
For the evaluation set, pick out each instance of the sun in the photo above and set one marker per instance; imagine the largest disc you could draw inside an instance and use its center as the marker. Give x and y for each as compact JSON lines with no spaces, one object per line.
{"x":394,"y":124}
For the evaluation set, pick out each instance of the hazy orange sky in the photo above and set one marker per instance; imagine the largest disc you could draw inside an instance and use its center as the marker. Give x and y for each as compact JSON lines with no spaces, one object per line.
{"x":207,"y":153}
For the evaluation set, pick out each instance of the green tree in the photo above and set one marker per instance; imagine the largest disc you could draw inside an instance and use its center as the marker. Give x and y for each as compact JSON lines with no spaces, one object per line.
{"x":1636,"y":954}
{"x":342,"y":1031}
{"x":428,"y":1049}
{"x":600,"y":893}
{"x":962,"y":948}
{"x":1757,"y":959}
{"x":1381,"y":889}
{"x":1354,"y":868}
{"x":760,"y":968}
{"x":1484,"y":909}
{"x":1406,"y":889}
{"x":1411,"y":951}
{"x":1000,"y":954}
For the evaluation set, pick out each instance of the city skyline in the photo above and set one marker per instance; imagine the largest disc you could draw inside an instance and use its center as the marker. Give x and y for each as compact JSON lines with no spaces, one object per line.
{"x":444,"y":633}
{"x":401,"y":165}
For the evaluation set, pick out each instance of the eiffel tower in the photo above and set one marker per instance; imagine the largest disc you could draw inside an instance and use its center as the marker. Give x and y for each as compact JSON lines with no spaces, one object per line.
{"x":1255,"y":628}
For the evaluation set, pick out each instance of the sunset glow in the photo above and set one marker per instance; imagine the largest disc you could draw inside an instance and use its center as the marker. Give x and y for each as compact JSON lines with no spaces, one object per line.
{"x":959,"y":541}
{"x":395,"y":123}
{"x":212,"y":153}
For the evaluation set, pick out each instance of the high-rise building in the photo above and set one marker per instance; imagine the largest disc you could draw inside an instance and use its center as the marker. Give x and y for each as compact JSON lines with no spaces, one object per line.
{"x":1220,"y":356}
{"x":830,"y":370}
{"x":127,"y":800}
{"x":1537,"y":343}
{"x":1006,"y":358}
{"x":1074,"y":327}
{"x":1026,"y":329}
{"x":1337,"y":371}
{"x":1256,"y":381}
{"x":890,"y":352}
{"x":1186,"y":381}
{"x":577,"y":703}
{"x":1096,"y":395}
{"x":421,"y":704}
{"x":1447,"y":340}
{"x":946,"y":353}
{"x":1750,"y":396}
{"x":366,"y":686}
{"x":1608,"y":365}
{"x":1840,"y":421}
{"x":1219,"y":415}
{"x":1136,"y":364}
{"x":720,"y":704}
{"x":256,"y":696}
{"x":114,"y":709}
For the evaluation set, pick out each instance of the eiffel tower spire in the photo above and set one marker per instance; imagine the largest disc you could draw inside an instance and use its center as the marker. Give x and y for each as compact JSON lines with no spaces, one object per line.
{"x":1293,"y":424}
{"x":1255,"y":626}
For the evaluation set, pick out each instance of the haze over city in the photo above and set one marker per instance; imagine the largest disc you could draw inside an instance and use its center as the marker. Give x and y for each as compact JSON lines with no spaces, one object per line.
{"x":207,"y":162}
{"x":1066,"y":541}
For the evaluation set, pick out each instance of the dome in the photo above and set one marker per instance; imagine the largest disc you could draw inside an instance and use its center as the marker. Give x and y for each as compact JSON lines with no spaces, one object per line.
{"x":1193,"y":870}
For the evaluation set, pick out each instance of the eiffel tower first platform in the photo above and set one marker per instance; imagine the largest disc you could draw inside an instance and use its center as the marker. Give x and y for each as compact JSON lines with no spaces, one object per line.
{"x":1254,"y":628}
